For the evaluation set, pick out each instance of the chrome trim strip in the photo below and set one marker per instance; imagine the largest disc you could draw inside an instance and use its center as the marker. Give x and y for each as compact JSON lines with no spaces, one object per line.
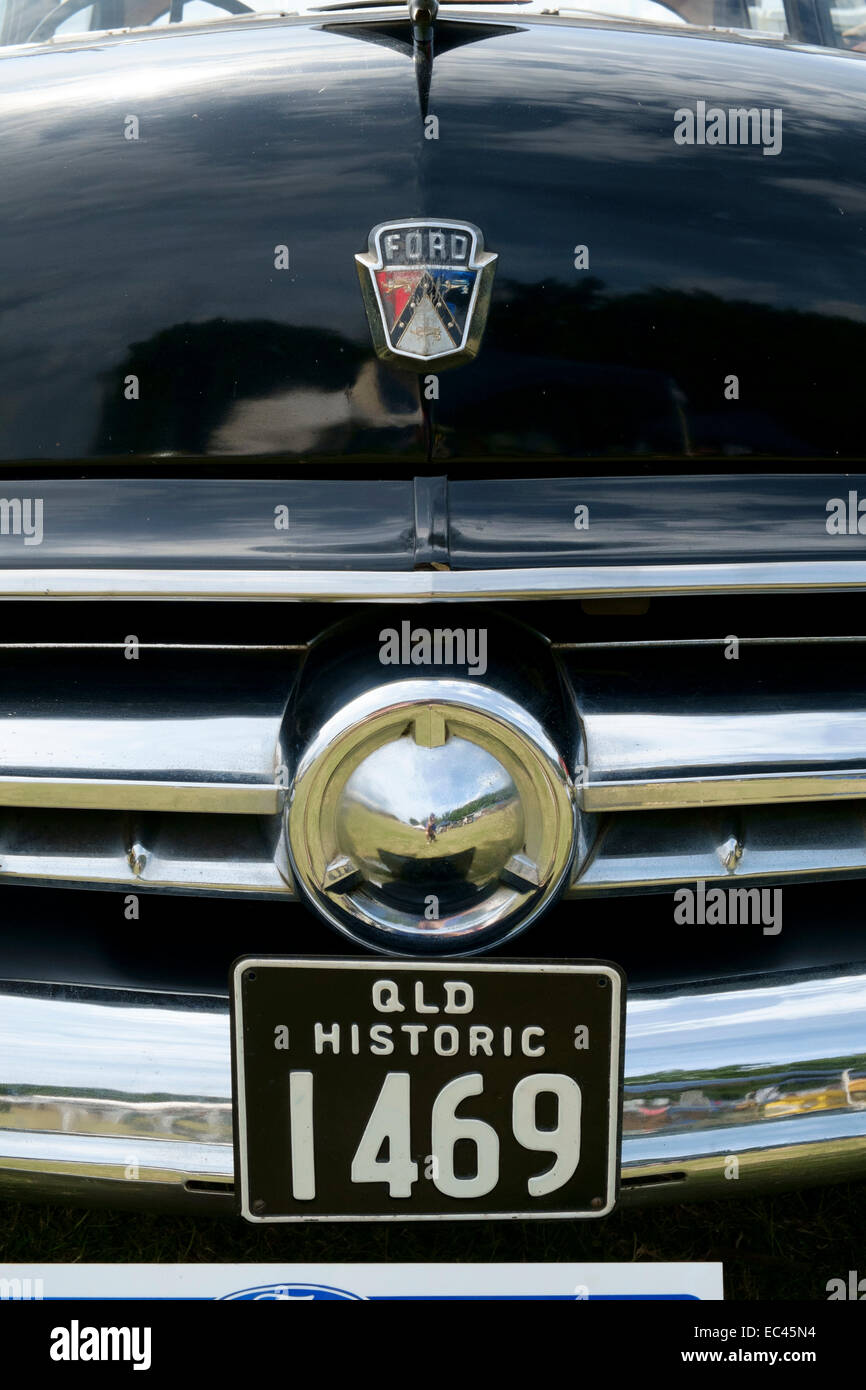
{"x":785,"y":737}
{"x":238,"y":855}
{"x":244,"y":648}
{"x":771,"y":1071}
{"x":168,"y":731}
{"x":674,"y":644}
{"x":637,"y":851}
{"x":747,"y":789}
{"x":247,"y":855}
{"x":372,"y":586}
{"x":115,"y":794}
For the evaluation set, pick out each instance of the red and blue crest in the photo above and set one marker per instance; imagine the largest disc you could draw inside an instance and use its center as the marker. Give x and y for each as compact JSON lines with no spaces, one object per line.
{"x":426,"y":287}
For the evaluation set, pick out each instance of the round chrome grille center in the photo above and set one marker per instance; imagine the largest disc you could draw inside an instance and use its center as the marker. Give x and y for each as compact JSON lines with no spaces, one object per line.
{"x":431,"y":815}
{"x":441,"y":821}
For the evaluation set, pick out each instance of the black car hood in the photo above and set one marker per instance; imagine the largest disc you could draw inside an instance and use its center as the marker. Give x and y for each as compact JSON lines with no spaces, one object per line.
{"x":154,"y":258}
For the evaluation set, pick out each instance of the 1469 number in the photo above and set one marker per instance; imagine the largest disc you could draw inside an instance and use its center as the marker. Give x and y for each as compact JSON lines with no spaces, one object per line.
{"x":389,"y":1128}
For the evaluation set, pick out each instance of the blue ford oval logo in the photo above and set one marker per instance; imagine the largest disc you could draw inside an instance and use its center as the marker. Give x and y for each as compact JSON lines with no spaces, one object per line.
{"x":289,"y":1293}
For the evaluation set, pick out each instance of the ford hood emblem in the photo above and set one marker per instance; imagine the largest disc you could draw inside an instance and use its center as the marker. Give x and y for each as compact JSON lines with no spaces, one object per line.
{"x":426,"y":286}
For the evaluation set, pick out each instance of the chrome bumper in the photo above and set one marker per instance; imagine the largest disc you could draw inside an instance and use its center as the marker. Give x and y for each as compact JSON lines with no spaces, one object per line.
{"x":125,"y":1098}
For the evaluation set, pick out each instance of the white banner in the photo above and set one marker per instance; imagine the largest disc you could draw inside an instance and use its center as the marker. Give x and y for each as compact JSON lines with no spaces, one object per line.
{"x":303,"y":1283}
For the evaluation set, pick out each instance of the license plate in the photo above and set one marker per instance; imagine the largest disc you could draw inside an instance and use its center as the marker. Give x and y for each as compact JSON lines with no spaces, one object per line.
{"x":388,"y":1090}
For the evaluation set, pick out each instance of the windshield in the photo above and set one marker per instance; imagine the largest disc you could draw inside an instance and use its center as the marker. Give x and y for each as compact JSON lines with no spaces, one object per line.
{"x":840,"y":24}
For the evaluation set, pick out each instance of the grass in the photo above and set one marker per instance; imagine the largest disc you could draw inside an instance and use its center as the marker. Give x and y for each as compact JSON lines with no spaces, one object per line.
{"x":781,"y":1247}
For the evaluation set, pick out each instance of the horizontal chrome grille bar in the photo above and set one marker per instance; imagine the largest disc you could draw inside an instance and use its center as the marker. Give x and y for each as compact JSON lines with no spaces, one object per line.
{"x":652,"y":851}
{"x":748,"y":789}
{"x":682,"y":726}
{"x":180,"y":730}
{"x":234,"y":854}
{"x":103,"y":793}
{"x":246,"y":855}
{"x":245,"y":647}
{"x":479,"y":585}
{"x":675,"y":643}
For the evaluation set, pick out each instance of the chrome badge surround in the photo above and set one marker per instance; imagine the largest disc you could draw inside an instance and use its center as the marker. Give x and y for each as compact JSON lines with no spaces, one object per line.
{"x":379,"y":896}
{"x":451,"y":291}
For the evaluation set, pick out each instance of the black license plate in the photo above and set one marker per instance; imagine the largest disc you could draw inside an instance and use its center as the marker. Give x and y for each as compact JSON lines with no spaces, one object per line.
{"x":388,"y":1090}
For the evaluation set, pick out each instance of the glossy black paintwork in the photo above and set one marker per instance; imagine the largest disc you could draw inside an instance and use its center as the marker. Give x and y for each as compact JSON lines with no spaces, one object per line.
{"x":155,"y":257}
{"x":238,"y":524}
{"x":218,"y":524}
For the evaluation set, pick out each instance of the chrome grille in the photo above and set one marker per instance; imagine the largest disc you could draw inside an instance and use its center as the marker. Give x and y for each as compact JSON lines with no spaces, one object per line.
{"x":167,"y":771}
{"x":171,"y":772}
